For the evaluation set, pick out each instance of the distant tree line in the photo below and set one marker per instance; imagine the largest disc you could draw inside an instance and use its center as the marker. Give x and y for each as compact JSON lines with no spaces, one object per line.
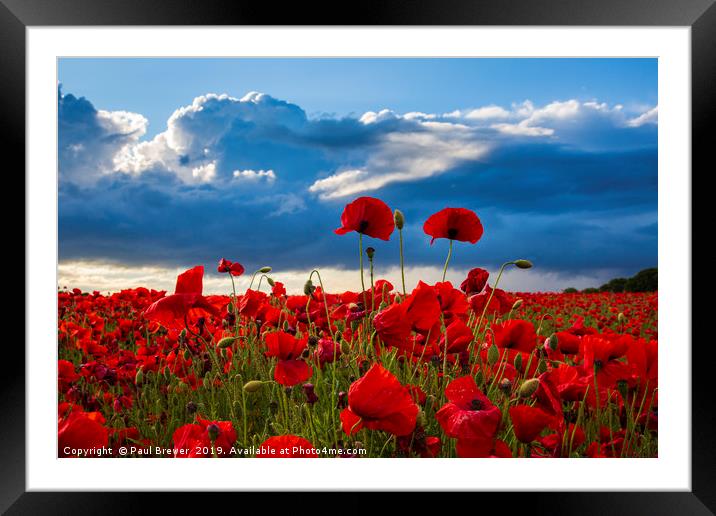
{"x":646,"y":280}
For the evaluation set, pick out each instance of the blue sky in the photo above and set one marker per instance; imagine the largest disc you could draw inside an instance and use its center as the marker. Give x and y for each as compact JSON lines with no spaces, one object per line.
{"x":173,"y":162}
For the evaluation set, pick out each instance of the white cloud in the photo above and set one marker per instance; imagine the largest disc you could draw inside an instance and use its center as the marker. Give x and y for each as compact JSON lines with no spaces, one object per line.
{"x":255,"y":175}
{"x":406,"y":156}
{"x":487,"y":112}
{"x":205,"y":173}
{"x":109,"y":277}
{"x":648,"y":117}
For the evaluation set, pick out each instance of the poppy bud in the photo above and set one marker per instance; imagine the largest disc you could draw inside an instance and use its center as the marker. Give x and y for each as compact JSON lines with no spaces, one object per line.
{"x":311,"y":397}
{"x":139,"y":378}
{"x":518,"y":363}
{"x":270,"y":281}
{"x":622,"y":387}
{"x":621,"y":318}
{"x":213,"y":431}
{"x":523,"y":264}
{"x":506,"y":385}
{"x":253,"y":385}
{"x":529,"y":387}
{"x":191,"y":407}
{"x":370,"y":252}
{"x":226,"y":342}
{"x":541,"y":366}
{"x":422,"y":419}
{"x":187,"y":354}
{"x":265,"y":270}
{"x":479,"y":378}
{"x":399,"y":219}
{"x":517,"y":304}
{"x":308,"y":288}
{"x":553,"y":342}
{"x":493,"y":355}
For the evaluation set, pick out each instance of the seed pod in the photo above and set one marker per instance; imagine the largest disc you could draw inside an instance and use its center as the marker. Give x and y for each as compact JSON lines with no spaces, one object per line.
{"x":253,"y":385}
{"x":370,"y":251}
{"x":529,"y":387}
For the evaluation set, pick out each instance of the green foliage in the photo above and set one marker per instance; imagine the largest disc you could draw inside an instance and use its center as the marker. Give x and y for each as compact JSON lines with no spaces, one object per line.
{"x":570,"y":290}
{"x":590,"y":290}
{"x":615,"y":285}
{"x":646,"y":280}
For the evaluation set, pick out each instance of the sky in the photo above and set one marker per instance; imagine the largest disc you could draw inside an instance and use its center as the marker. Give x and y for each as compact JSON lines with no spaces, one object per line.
{"x":169,"y":163}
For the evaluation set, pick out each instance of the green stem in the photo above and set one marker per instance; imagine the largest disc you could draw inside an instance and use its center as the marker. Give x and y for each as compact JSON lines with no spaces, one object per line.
{"x":402,"y":267}
{"x":362,"y":280}
{"x":372,"y":287}
{"x":447,"y":261}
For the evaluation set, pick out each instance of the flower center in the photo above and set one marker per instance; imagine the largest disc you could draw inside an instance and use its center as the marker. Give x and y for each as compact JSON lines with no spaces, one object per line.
{"x":362,"y":226}
{"x":476,"y":404}
{"x":452,"y":233}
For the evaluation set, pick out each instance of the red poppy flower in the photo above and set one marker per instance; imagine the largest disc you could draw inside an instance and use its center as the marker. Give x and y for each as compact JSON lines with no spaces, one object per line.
{"x":501,"y":302}
{"x":379,"y":401}
{"x":392,"y":326}
{"x":286,"y":447}
{"x":186,"y":300}
{"x":458,"y":224}
{"x":278,"y":289}
{"x":369,"y":216}
{"x":469,"y":414}
{"x":290,"y":369}
{"x":528,"y":422}
{"x":80,"y":430}
{"x":475,"y":281}
{"x":233,"y":268}
{"x":423,"y":307}
{"x":601,"y":356}
{"x":458,"y":335}
{"x":452,"y":302}
{"x":195,"y":440}
{"x":515,"y":334}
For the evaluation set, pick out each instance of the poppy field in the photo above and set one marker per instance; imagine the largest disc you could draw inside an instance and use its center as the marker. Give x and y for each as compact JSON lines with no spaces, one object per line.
{"x":441,"y":370}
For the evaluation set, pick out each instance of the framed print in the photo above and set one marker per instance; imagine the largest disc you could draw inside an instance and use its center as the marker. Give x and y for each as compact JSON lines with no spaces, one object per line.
{"x":416,"y":250}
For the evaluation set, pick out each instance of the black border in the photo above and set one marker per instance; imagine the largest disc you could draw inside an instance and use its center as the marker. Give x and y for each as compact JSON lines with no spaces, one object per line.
{"x":700,"y":15}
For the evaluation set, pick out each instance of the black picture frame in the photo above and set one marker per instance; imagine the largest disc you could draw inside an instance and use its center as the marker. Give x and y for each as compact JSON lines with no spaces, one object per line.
{"x":700,"y":15}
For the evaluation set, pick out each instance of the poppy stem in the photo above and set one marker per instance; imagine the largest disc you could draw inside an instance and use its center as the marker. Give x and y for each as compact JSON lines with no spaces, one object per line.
{"x":447,"y":261}
{"x":402,"y":267}
{"x":362,"y":280}
{"x":325,"y":301}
